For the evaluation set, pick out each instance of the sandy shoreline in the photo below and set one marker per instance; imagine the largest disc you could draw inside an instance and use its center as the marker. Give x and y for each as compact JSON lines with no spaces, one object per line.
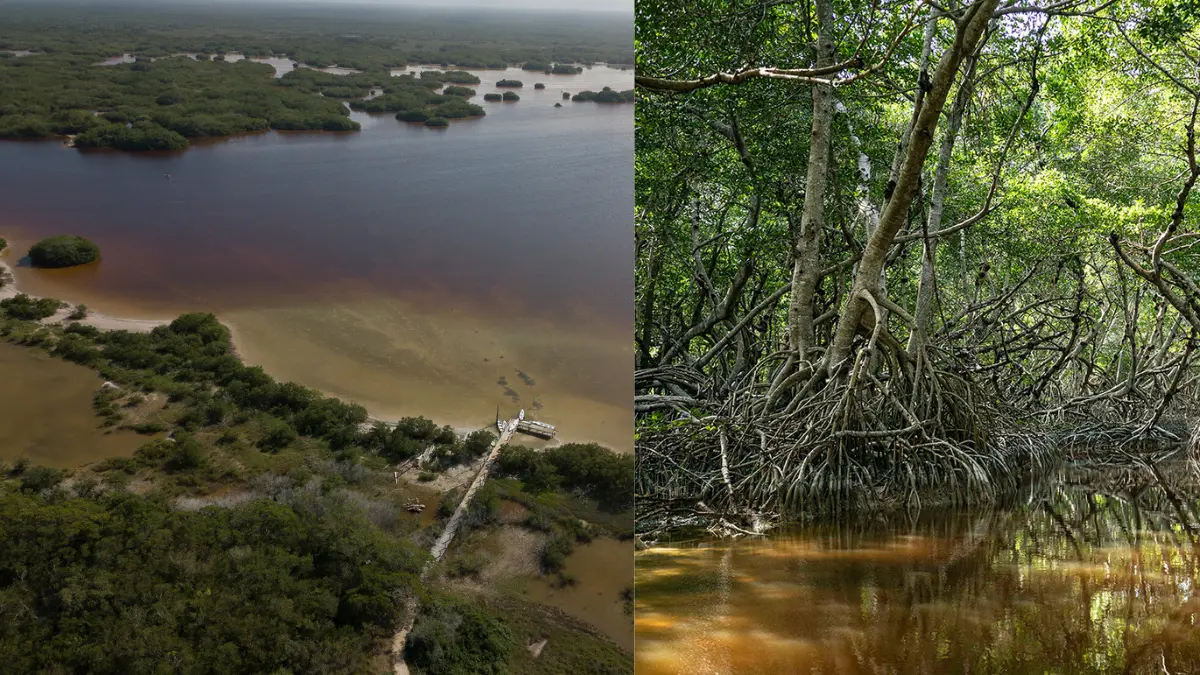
{"x":96,"y":319}
{"x":106,"y":322}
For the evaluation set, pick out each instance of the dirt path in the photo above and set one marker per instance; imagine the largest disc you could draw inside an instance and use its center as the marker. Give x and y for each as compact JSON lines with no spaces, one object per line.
{"x":399,"y":667}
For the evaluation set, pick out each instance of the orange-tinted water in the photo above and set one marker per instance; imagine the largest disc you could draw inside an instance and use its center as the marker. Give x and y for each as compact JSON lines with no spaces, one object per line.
{"x":1082,"y":583}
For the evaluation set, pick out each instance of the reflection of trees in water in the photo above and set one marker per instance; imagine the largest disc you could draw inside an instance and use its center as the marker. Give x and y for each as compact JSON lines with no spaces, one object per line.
{"x":1079,"y":578}
{"x":1087,"y":580}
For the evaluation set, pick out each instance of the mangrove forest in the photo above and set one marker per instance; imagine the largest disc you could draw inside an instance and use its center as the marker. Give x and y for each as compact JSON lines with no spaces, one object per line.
{"x":909,"y":253}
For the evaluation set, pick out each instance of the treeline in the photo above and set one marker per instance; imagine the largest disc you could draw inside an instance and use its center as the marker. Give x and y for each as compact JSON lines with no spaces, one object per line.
{"x":606,"y":95}
{"x":587,"y":468}
{"x":552,"y":68}
{"x":120,"y":583}
{"x":361,"y":38}
{"x":153,"y":105}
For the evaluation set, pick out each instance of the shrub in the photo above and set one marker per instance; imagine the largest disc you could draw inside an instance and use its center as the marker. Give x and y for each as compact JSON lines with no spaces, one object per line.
{"x":458,"y":91}
{"x":553,"y":555}
{"x":539,"y":85}
{"x":566,"y":95}
{"x":510,"y":83}
{"x":79,"y":314}
{"x":510,"y":96}
{"x":185,"y":454}
{"x":437,"y":122}
{"x":492,"y":97}
{"x":63,"y":251}
{"x":40,"y":478}
{"x":3,"y":244}
{"x":450,"y":638}
{"x":29,"y":309}
{"x":277,"y":435}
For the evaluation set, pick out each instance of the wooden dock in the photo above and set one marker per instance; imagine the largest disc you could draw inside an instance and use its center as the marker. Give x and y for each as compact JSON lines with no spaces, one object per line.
{"x":539,"y":429}
{"x":507,"y":430}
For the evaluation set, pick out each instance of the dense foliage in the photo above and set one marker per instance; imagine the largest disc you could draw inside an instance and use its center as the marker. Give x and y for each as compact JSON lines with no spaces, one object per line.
{"x":606,"y":95}
{"x":360,"y":37}
{"x":167,"y":97}
{"x":154,"y":105}
{"x":492,"y":97}
{"x":590,"y":469}
{"x":878,"y":246}
{"x":415,"y":99}
{"x":509,"y":83}
{"x":21,"y":306}
{"x":458,"y":638}
{"x":122,"y":584}
{"x":63,"y":251}
{"x":510,"y":96}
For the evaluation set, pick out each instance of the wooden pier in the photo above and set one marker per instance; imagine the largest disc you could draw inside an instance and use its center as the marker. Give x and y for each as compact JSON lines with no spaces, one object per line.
{"x":539,"y":429}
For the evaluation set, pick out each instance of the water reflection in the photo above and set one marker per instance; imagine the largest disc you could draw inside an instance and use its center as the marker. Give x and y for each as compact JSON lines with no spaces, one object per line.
{"x":1075,"y":580}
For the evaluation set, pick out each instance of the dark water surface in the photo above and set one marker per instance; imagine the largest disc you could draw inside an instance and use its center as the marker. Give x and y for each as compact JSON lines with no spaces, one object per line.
{"x":403,"y":267}
{"x":1075,"y":580}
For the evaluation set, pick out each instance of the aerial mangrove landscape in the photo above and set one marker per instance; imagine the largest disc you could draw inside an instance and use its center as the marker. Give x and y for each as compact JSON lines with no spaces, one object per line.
{"x":916,"y":337}
{"x":178,"y":497}
{"x":173,"y":83}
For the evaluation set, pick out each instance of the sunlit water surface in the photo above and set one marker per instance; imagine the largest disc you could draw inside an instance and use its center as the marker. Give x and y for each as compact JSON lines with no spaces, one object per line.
{"x":1076,"y":580}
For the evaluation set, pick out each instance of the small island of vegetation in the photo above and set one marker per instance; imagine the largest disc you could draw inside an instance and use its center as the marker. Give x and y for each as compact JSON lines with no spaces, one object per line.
{"x":63,"y":251}
{"x":411,"y":99}
{"x":606,"y":95}
{"x":539,"y":85}
{"x":511,"y":96}
{"x":510,"y":83}
{"x":492,"y":97}
{"x":437,"y":122}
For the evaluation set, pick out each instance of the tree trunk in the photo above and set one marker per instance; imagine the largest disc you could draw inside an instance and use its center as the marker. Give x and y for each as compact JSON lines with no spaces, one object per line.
{"x":870,"y":269}
{"x":806,"y":270}
{"x":923,"y":313}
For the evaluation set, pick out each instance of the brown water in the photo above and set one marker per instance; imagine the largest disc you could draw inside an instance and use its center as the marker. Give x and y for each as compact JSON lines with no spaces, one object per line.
{"x":46,"y":412}
{"x":1077,"y":580}
{"x":602,"y":569}
{"x":407,"y":270}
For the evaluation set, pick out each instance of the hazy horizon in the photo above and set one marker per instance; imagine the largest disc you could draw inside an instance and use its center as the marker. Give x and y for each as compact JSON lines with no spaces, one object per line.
{"x":605,"y":6}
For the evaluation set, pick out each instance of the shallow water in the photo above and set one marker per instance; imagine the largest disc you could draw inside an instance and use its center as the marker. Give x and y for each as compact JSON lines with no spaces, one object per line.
{"x":602,"y":569}
{"x":46,"y":412}
{"x":1076,"y":580}
{"x":406,"y":268}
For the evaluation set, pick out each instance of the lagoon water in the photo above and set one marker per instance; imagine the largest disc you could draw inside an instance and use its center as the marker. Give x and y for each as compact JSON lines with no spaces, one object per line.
{"x":435,"y":272}
{"x":1078,"y":578}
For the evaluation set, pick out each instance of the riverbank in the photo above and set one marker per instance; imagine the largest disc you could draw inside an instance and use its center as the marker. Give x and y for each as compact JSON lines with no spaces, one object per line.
{"x":10,"y":289}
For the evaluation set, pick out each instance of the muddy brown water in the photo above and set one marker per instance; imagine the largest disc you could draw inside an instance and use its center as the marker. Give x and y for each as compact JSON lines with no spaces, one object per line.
{"x":1076,"y":580}
{"x":602,"y":569}
{"x":46,"y":413}
{"x":402,"y":269}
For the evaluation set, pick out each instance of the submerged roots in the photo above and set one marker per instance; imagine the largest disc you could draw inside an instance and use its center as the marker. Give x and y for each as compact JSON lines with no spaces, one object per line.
{"x":853,"y":446}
